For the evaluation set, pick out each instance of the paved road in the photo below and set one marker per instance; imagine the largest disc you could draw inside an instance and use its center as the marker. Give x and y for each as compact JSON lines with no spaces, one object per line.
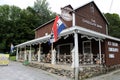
{"x":16,"y":71}
{"x":115,"y":75}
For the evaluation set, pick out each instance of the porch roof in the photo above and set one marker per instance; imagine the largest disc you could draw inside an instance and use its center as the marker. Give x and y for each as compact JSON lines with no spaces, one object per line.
{"x":68,"y":31}
{"x":88,"y":32}
{"x":34,"y":41}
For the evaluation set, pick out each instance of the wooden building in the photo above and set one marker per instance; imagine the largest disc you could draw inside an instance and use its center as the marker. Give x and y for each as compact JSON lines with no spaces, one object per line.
{"x":86,"y":25}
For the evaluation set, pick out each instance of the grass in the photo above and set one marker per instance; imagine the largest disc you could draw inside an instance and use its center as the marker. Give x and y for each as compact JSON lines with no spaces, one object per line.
{"x":13,"y":58}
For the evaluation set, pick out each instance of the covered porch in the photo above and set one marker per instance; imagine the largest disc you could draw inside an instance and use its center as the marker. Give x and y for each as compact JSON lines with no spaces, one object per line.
{"x":90,"y":48}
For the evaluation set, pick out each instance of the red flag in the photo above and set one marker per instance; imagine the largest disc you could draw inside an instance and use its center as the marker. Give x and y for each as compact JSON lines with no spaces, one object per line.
{"x":54,"y":29}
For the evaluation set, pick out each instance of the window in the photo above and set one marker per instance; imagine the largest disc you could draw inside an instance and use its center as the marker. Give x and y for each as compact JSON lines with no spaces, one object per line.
{"x":92,"y":8}
{"x":87,"y":47}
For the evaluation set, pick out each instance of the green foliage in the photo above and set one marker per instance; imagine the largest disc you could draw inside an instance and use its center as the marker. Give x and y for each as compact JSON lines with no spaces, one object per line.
{"x":114,"y":24}
{"x":13,"y":58}
{"x":43,"y":11}
{"x":17,"y":25}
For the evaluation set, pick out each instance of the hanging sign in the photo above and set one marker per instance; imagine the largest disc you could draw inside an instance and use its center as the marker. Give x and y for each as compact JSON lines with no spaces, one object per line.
{"x":65,"y":14}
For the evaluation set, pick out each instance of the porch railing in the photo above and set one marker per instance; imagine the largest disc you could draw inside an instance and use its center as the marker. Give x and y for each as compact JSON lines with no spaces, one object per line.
{"x":45,"y":58}
{"x":91,"y":59}
{"x":83,"y":59}
{"x":64,"y":59}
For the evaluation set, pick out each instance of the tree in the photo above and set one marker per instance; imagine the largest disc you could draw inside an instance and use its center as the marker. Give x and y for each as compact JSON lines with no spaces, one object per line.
{"x":42,"y":10}
{"x":4,"y":20}
{"x":114,"y":24}
{"x":17,"y":25}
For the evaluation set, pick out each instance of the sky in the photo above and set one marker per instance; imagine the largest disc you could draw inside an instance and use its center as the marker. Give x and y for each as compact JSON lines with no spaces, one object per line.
{"x":55,"y":5}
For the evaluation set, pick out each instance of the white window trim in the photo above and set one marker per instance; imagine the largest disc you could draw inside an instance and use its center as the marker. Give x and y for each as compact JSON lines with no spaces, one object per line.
{"x":90,"y":47}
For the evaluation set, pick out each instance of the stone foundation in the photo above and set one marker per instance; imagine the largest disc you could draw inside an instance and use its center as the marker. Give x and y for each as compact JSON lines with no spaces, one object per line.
{"x":54,"y":69}
{"x":85,"y":71}
{"x":90,"y":71}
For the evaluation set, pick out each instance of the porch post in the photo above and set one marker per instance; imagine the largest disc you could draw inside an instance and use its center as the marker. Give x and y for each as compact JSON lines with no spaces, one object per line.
{"x":17,"y":54}
{"x":20,"y":54}
{"x":100,"y":51}
{"x":53,"y":61}
{"x":30,"y":54}
{"x":25,"y":54}
{"x":76,"y":55}
{"x":39,"y":53}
